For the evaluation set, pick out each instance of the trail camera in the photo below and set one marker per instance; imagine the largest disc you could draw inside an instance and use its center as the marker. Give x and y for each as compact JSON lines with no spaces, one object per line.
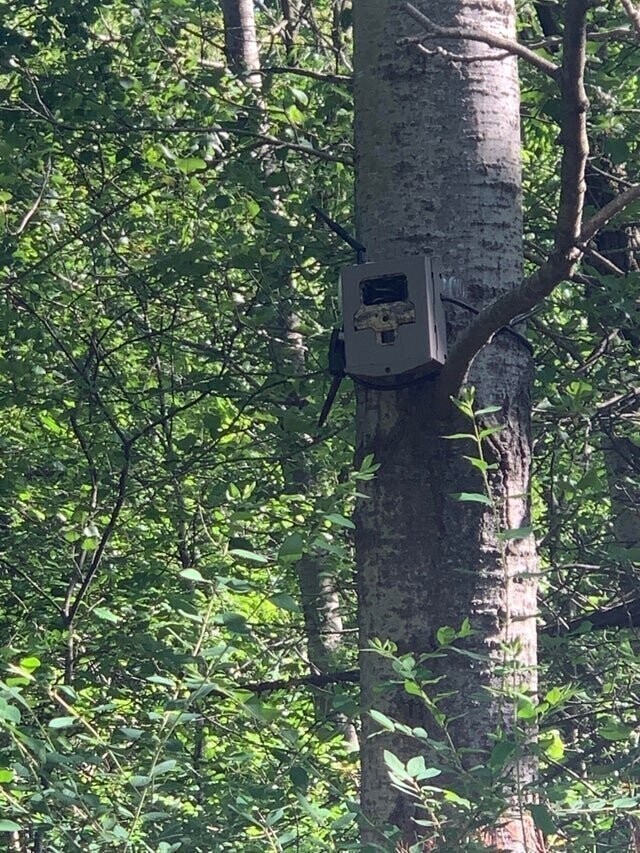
{"x":393,"y":318}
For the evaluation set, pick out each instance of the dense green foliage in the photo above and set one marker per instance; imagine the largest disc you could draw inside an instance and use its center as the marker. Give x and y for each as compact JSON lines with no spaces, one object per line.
{"x":166,"y":296}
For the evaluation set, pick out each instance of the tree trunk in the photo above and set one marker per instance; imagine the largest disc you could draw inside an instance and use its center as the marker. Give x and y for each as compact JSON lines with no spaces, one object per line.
{"x":438,"y":171}
{"x":240,"y":42}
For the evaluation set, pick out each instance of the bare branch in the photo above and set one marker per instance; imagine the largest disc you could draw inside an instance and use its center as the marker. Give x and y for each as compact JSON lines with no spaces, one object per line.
{"x":573,"y":127}
{"x":608,"y":265}
{"x":534,"y":289}
{"x":33,"y":209}
{"x":634,"y":15}
{"x":350,"y":676}
{"x":266,"y":139}
{"x":459,"y":57}
{"x":338,"y":79}
{"x":510,"y":46}
{"x":104,"y":539}
{"x":605,"y":214}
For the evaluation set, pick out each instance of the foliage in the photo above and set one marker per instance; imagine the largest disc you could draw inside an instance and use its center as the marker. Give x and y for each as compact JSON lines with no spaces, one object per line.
{"x":155,"y":421}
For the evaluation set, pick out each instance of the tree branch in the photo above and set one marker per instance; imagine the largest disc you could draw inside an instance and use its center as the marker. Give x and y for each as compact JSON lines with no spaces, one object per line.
{"x":573,"y":127}
{"x":350,"y":676}
{"x":625,"y":615}
{"x":338,"y":79}
{"x":104,"y":539}
{"x":633,"y":14}
{"x":267,"y":139}
{"x":605,"y":214}
{"x":510,"y":46}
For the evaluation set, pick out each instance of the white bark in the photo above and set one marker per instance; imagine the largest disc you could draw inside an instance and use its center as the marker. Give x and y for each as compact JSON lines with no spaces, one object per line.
{"x":241,"y":44}
{"x":438,"y":170}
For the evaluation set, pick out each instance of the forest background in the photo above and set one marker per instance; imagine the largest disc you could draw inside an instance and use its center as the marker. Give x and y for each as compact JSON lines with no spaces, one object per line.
{"x":179,"y":639}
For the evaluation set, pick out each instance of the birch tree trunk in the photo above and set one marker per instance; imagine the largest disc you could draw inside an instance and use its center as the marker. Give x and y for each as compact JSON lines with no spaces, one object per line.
{"x":438,"y":171}
{"x":240,"y":42}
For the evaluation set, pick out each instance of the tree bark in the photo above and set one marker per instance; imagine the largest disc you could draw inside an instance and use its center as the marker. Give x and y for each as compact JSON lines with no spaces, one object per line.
{"x":438,"y":171}
{"x":240,"y":42}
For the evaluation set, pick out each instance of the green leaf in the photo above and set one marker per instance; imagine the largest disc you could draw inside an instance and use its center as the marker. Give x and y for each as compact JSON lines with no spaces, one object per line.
{"x":292,"y":548}
{"x":299,"y":777}
{"x":106,"y":615}
{"x":191,"y":164}
{"x":294,"y":114}
{"x":515,"y":533}
{"x":459,"y":435}
{"x":478,"y":463}
{"x":192,"y":575}
{"x":318,"y":815}
{"x":235,"y":622}
{"x":416,"y":767}
{"x":557,"y":695}
{"x":285,"y":602}
{"x":445,"y":635}
{"x":526,"y":708}
{"x":30,"y":663}
{"x":475,"y":497}
{"x":395,"y":765}
{"x":346,"y":820}
{"x":161,"y":679}
{"x":552,"y":744}
{"x":383,"y":720}
{"x":488,"y":410}
{"x":614,"y":730}
{"x":9,"y":826}
{"x":626,"y":802}
{"x":163,"y":767}
{"x":301,"y":96}
{"x":62,"y":722}
{"x":542,"y":818}
{"x":501,"y":753}
{"x":249,"y":555}
{"x":492,"y":430}
{"x":453,"y":797}
{"x":132,"y":734}
{"x":340,"y":520}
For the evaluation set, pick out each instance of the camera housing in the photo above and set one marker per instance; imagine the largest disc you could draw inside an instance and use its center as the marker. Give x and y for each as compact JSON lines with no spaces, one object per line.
{"x":394,"y":322}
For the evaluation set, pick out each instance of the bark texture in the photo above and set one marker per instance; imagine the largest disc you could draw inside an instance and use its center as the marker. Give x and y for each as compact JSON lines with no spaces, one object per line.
{"x":240,"y":42}
{"x":438,"y":171}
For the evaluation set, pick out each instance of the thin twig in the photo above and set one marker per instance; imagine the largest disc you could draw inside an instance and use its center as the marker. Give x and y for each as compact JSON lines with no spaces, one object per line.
{"x":605,"y":214}
{"x":604,"y":262}
{"x":104,"y":539}
{"x":267,"y":139}
{"x":33,"y":209}
{"x":459,"y":57}
{"x":341,"y":79}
